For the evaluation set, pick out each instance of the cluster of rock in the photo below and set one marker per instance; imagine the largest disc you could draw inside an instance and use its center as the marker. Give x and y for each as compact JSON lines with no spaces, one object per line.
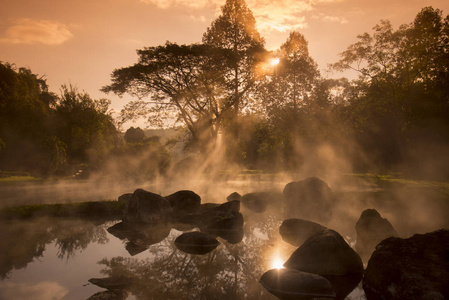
{"x":324,"y":266}
{"x":148,"y":219}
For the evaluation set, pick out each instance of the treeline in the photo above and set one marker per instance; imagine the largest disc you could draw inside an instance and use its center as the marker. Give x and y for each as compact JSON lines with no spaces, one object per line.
{"x":269,"y":110}
{"x":44,"y":133}
{"x":273,"y":109}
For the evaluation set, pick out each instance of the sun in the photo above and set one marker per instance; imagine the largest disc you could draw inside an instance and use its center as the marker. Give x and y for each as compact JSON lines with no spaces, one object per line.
{"x":274,"y":61}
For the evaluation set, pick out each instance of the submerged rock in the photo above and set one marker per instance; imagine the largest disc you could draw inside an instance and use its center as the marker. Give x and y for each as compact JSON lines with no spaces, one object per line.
{"x":293,"y":284}
{"x":325,"y":253}
{"x":147,"y":207}
{"x":371,"y":229}
{"x":124,"y":198}
{"x":183,"y":202}
{"x":196,"y":243}
{"x":413,"y":268}
{"x":310,"y":199}
{"x":296,"y":231}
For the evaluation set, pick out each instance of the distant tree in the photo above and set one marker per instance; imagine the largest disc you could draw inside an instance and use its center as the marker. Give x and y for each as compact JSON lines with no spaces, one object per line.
{"x":25,"y":112}
{"x":134,"y":135}
{"x":85,"y":126}
{"x":403,"y":85}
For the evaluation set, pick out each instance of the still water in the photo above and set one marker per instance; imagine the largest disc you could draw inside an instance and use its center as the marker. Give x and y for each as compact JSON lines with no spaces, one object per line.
{"x":54,"y":258}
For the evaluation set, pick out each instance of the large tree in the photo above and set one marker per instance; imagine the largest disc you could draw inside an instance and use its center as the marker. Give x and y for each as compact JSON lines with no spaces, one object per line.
{"x":235,"y":30}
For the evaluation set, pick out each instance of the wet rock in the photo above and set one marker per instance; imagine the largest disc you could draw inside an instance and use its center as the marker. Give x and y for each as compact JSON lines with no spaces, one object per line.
{"x":234,"y":196}
{"x":183,"y":202}
{"x":293,"y":284}
{"x":259,"y":201}
{"x":371,"y":229}
{"x":112,"y":283}
{"x":296,"y":231}
{"x":228,"y":226}
{"x":325,"y":253}
{"x":109,"y":295}
{"x":147,"y":207}
{"x":310,"y":199}
{"x":413,"y":268}
{"x":196,"y":243}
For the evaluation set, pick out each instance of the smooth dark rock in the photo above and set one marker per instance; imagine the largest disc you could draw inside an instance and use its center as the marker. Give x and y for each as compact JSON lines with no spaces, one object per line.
{"x":325,"y":253}
{"x":343,"y":285}
{"x":234,"y":196}
{"x":147,"y":207}
{"x":196,"y":243}
{"x":413,"y":268}
{"x":293,"y":284}
{"x":309,"y":199}
{"x":259,"y":201}
{"x":296,"y":231}
{"x":112,"y":283}
{"x":371,"y":229}
{"x":183,"y":202}
{"x":134,"y":249}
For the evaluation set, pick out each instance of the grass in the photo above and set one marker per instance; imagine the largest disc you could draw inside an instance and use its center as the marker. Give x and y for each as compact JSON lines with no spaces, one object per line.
{"x":89,"y":210}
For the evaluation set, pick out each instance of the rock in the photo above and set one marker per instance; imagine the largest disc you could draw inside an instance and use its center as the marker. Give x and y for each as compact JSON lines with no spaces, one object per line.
{"x":325,"y":253}
{"x":112,"y":283}
{"x":310,"y":199}
{"x":228,"y":226}
{"x":134,"y":249}
{"x":124,"y":198}
{"x":259,"y":201}
{"x":183,"y":202}
{"x":413,"y":268}
{"x":109,"y":295}
{"x":234,"y":196}
{"x":296,"y":231}
{"x":196,"y":243}
{"x":293,"y":284}
{"x":147,"y":207}
{"x":371,"y":229}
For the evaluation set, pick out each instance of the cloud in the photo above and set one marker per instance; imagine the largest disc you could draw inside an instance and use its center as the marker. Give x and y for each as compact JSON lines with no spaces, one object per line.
{"x":27,"y":31}
{"x":271,"y":15}
{"x":39,"y":291}
{"x":331,"y":19}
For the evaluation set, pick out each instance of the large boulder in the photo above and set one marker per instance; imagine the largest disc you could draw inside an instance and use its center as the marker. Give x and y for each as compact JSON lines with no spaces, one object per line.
{"x":296,"y":231}
{"x":371,"y":229}
{"x":327,"y":254}
{"x":310,"y":199}
{"x":293,"y":284}
{"x":413,"y":268}
{"x":147,"y":207}
{"x":183,"y":202}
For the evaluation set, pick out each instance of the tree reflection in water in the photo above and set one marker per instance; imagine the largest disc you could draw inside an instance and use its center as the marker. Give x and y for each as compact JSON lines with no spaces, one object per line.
{"x":228,"y":272}
{"x":25,"y":240}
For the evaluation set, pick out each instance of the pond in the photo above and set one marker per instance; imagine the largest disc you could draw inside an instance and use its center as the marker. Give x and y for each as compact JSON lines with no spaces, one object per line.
{"x":54,"y":258}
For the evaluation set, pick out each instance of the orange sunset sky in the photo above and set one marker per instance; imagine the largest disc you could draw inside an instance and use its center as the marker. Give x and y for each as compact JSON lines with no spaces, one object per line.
{"x":82,"y":41}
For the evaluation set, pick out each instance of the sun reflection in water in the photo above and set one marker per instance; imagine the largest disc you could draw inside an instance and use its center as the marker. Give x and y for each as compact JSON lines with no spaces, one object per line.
{"x":277,"y":263}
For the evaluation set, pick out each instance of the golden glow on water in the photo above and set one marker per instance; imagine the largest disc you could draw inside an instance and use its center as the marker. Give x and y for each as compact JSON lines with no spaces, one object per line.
{"x":277,"y":263}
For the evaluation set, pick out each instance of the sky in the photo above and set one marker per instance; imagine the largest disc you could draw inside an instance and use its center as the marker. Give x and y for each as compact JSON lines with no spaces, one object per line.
{"x":80,"y":42}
